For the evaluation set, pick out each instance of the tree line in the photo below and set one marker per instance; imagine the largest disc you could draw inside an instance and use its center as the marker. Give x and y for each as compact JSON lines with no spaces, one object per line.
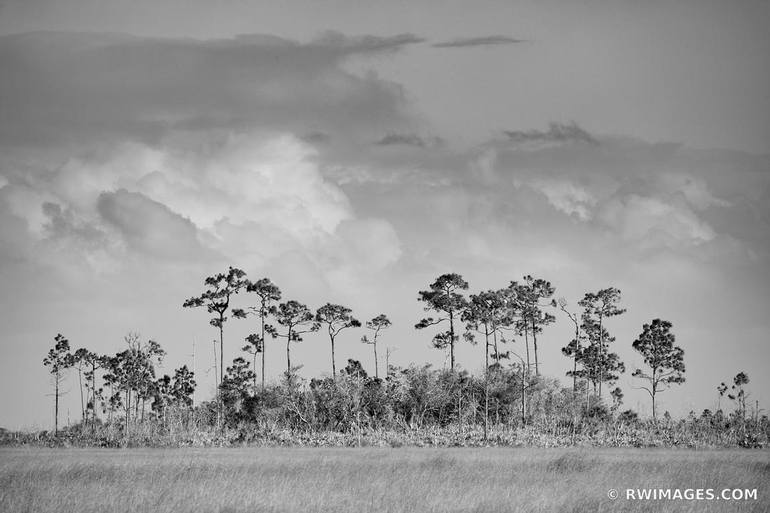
{"x":511,"y":385}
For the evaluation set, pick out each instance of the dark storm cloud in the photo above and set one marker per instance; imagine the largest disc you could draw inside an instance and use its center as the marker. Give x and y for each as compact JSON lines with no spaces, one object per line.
{"x":149,"y":226}
{"x":556,"y":133}
{"x":63,"y":225}
{"x":367,"y":44}
{"x":407,"y":139}
{"x":65,"y":86}
{"x":479,"y":41}
{"x":316,"y":137}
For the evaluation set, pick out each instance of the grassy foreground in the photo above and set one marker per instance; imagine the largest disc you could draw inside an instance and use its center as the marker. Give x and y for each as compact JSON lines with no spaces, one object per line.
{"x":371,"y":479}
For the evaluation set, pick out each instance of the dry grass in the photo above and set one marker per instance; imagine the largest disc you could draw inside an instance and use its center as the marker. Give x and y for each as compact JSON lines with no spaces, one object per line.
{"x":371,"y":479}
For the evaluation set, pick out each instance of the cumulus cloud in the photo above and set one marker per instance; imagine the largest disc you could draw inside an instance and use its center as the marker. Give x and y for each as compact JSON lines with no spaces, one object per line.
{"x":652,"y":221}
{"x":370,"y":242}
{"x":120,"y":148}
{"x":695,"y":190}
{"x":566,"y":196}
{"x":479,"y":41}
{"x":203,"y":198}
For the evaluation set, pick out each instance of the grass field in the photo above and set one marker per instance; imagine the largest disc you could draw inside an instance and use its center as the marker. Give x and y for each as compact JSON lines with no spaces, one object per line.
{"x":362,"y":480}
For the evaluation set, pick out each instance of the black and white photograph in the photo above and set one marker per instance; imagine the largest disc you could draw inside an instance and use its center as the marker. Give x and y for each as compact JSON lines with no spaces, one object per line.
{"x":356,"y":256}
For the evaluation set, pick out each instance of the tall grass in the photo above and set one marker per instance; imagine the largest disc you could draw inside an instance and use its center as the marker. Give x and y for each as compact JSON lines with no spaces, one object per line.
{"x":383,"y":480}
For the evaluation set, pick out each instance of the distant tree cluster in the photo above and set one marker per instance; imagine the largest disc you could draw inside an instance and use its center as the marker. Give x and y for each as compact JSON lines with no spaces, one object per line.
{"x":129,"y":382}
{"x":511,"y":389}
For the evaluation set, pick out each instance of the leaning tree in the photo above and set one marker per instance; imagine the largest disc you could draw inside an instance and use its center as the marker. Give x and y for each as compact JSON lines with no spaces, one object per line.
{"x":444,"y":298}
{"x":336,"y":318}
{"x":220,"y":289}
{"x":665,"y":360}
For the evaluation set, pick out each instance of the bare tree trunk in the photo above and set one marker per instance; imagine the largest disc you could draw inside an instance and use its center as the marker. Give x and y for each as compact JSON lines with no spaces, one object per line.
{"x":523,"y":398}
{"x":82,"y":404}
{"x":574,"y":375}
{"x":264,"y":347}
{"x":526,"y":342}
{"x":451,"y":340}
{"x":534,"y":343}
{"x":601,"y":355}
{"x":334,"y":366}
{"x":56,"y":405}
{"x":376,"y":367}
{"x":288,"y":355}
{"x":216,"y":379}
{"x":221,"y":349}
{"x":575,"y":357}
{"x":94,"y":400}
{"x":254,"y":366}
{"x":486,"y":383}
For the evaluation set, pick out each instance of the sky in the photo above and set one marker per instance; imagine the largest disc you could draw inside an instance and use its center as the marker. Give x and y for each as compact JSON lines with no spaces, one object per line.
{"x":354,"y":151}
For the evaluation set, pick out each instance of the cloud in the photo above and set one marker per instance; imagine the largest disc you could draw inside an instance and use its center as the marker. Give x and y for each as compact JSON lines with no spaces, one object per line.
{"x":316,"y":137}
{"x":695,"y":190}
{"x":368,"y":43}
{"x":63,"y":225}
{"x":653,"y":221}
{"x":557,"y":133}
{"x":394,"y":139}
{"x":650,"y":197}
{"x":479,"y":41}
{"x":150,"y":226}
{"x":83,"y":88}
{"x":372,"y":242}
{"x":234,"y":198}
{"x":182,"y":157}
{"x":566,"y":196}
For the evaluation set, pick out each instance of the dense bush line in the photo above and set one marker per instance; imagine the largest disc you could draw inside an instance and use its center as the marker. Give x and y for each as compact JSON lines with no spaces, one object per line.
{"x":414,"y":406}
